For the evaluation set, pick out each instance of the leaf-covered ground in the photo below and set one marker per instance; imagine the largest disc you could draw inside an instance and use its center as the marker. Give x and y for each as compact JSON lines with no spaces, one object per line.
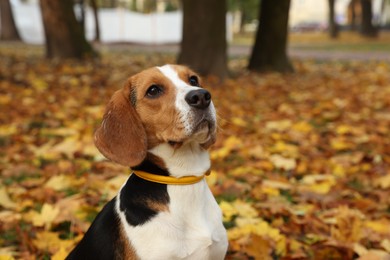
{"x":300,"y":168}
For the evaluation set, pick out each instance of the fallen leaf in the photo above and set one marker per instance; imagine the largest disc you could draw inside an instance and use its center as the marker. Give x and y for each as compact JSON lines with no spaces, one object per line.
{"x":282,"y":162}
{"x":258,"y":248}
{"x":5,"y":200}
{"x":59,"y":182}
{"x":46,"y":217}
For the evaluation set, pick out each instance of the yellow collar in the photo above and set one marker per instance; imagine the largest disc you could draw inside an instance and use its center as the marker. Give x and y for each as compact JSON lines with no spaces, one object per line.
{"x":169,"y":179}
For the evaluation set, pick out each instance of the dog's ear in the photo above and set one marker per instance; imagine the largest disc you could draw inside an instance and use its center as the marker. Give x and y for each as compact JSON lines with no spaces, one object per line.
{"x":121,"y":136}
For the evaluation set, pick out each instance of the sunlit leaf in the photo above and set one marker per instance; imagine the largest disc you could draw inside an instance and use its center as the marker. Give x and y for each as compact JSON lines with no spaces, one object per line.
{"x":46,"y":217}
{"x":5,"y":200}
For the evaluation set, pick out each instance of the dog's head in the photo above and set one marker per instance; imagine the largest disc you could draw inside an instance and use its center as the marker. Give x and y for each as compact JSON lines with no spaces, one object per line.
{"x":159,"y":105}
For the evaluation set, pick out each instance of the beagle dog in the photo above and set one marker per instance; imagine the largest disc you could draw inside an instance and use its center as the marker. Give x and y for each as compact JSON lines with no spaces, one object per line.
{"x":160,"y":124}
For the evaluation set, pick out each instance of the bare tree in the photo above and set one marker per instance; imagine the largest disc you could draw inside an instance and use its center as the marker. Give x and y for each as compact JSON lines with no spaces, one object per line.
{"x":203,"y":46}
{"x":333,"y":26}
{"x":64,"y":36}
{"x":367,"y":28}
{"x":269,"y":50}
{"x":96,"y":18}
{"x":9,"y":31}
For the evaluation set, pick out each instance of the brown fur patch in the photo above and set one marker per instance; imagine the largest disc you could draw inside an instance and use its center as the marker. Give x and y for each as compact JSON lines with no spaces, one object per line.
{"x":134,"y":122}
{"x":121,"y":136}
{"x":157,"y":206}
{"x":158,"y":115}
{"x":124,"y":250}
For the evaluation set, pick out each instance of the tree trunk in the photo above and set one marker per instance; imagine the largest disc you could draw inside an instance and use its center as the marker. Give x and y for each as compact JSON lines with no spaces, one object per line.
{"x":8,"y":27}
{"x":96,"y":18}
{"x":81,"y":19}
{"x":367,"y":29}
{"x":64,"y":35}
{"x":333,"y":26}
{"x":269,"y":50}
{"x":203,"y":46}
{"x":352,"y":7}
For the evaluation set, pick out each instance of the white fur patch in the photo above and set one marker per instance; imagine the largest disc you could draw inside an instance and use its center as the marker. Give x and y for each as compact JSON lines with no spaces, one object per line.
{"x":191,"y":228}
{"x":189,"y":159}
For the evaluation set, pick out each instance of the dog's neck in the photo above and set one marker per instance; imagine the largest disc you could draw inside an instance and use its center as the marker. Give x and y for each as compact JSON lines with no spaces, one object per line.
{"x":190,"y":159}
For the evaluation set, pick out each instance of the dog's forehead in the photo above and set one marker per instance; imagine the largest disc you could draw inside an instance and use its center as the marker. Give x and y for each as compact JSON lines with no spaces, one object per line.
{"x":177,"y":74}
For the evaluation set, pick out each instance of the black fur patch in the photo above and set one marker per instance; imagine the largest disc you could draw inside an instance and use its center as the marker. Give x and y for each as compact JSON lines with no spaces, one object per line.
{"x":102,"y":239}
{"x":136,"y":192}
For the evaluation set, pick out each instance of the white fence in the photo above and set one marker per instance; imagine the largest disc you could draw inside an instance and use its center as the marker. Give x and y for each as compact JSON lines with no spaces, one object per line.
{"x":116,"y":25}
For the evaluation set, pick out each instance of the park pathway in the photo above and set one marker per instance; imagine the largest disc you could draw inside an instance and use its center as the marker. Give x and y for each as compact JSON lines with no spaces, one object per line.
{"x":243,"y":50}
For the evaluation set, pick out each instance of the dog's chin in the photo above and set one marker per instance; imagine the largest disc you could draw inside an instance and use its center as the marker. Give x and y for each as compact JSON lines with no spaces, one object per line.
{"x":201,"y":134}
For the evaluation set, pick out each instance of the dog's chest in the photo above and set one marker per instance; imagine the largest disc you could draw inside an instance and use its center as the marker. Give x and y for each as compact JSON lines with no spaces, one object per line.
{"x":191,"y":228}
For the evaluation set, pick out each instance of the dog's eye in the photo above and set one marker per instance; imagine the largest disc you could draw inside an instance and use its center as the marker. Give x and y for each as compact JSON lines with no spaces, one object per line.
{"x":194,"y":81}
{"x":154,"y":91}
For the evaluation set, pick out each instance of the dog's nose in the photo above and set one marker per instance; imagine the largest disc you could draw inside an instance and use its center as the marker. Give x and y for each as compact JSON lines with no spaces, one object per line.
{"x":199,"y":98}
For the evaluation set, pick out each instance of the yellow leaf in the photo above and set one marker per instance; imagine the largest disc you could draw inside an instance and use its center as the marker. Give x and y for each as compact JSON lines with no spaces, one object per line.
{"x":60,"y":254}
{"x":348,"y":226}
{"x":245,"y":170}
{"x":278,"y":126}
{"x":285,"y":149}
{"x":282,"y":162}
{"x":321,"y":188}
{"x":5,"y":200}
{"x":385,"y":244}
{"x":344,"y":129}
{"x":229,"y":145}
{"x":39,"y":84}
{"x":68,"y":208}
{"x":47,"y":241}
{"x":383,"y":182}
{"x":339,"y":171}
{"x":228,"y":211}
{"x":6,"y":130}
{"x":258,"y":227}
{"x":256,"y":152}
{"x":245,"y":209}
{"x":302,"y":209}
{"x":238,"y":121}
{"x":258,"y":248}
{"x":7,"y":253}
{"x":9,"y":216}
{"x":61,"y":131}
{"x":359,"y":249}
{"x":46,"y":217}
{"x":318,"y":183}
{"x":270,"y":191}
{"x":91,"y":150}
{"x":5,"y":99}
{"x":340,"y":144}
{"x":69,"y":146}
{"x":95,"y":111}
{"x":59,"y":182}
{"x":381,"y":226}
{"x":212,"y":178}
{"x":375,"y":254}
{"x":276,"y":184}
{"x":315,"y":178}
{"x":303,"y":127}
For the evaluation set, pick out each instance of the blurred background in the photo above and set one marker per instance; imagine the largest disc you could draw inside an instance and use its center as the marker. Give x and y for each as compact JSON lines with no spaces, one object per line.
{"x":300,"y":168}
